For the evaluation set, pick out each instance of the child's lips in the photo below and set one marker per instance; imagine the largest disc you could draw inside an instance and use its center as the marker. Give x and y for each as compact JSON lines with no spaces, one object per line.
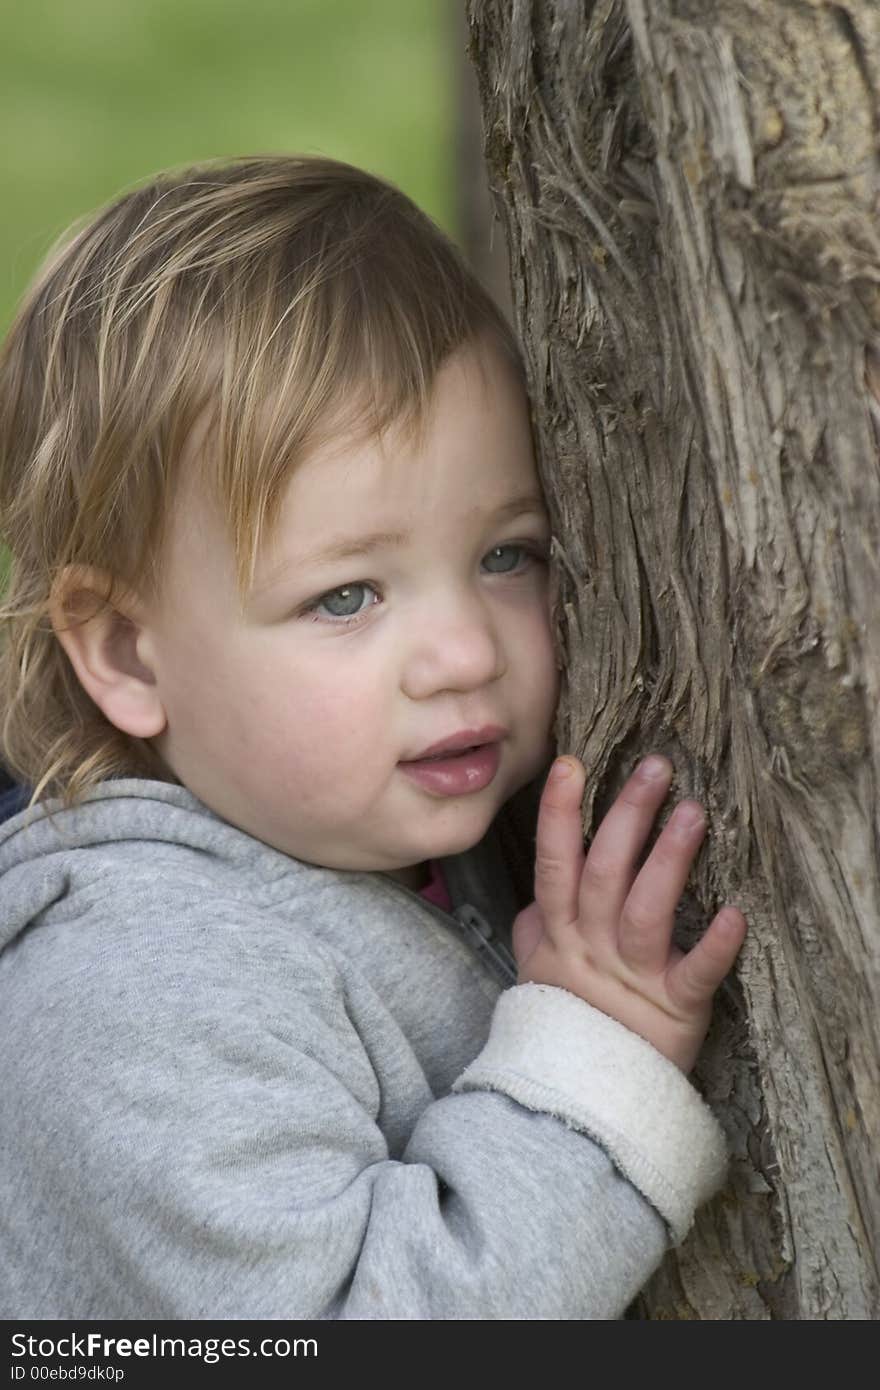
{"x":456,"y":773}
{"x":466,"y":740}
{"x":450,"y":753}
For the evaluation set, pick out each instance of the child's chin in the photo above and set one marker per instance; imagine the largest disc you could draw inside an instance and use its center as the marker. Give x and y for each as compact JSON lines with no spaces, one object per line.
{"x":461,"y":841}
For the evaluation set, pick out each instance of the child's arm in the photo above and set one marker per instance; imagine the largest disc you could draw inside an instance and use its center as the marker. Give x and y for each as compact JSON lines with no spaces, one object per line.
{"x":603,"y":932}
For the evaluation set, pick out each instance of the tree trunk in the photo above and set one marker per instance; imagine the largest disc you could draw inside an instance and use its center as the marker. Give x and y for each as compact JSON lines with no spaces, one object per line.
{"x":689,"y":193}
{"x":478,"y":229}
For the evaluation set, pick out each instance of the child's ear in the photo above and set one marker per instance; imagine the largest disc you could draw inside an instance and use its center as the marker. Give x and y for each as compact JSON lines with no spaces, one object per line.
{"x":109,"y":647}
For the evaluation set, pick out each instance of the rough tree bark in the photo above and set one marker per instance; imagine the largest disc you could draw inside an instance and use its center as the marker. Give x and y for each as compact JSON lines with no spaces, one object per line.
{"x":478,"y":228}
{"x":689,"y":192}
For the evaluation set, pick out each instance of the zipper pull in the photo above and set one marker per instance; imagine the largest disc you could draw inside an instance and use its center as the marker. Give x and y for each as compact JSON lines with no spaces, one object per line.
{"x":478,"y":932}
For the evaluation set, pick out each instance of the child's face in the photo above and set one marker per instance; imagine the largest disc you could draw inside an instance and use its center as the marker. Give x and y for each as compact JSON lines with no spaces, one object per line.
{"x":293,"y":724}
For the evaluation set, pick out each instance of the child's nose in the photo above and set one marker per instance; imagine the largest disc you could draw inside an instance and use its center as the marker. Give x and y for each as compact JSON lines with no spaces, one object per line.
{"x":453,"y":648}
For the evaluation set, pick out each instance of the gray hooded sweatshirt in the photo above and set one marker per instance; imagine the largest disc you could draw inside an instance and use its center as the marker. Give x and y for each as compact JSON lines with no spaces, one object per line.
{"x":237,"y":1085}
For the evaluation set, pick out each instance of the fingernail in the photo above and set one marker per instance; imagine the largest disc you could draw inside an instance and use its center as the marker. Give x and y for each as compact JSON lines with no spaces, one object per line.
{"x":729,"y":918}
{"x":687,"y":817}
{"x":653,"y":767}
{"x":561,"y":768}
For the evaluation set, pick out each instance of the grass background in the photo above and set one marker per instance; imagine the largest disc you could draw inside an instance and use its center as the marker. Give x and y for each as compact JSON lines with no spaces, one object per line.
{"x":96,"y":95}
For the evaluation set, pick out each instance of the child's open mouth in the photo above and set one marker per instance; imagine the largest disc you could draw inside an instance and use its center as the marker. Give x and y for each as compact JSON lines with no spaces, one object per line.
{"x":460,"y":753}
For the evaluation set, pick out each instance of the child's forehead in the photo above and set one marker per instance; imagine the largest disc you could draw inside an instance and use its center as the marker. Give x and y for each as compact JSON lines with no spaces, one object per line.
{"x":476,"y":414}
{"x":347,"y":502}
{"x":356,"y":478}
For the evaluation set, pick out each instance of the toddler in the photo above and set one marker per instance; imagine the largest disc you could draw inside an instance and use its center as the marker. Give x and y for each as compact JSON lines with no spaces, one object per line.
{"x":281,"y":1037}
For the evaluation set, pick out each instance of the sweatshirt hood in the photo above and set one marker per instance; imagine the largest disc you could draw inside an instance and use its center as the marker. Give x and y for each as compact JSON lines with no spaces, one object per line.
{"x":39,"y":866}
{"x":35,"y":845}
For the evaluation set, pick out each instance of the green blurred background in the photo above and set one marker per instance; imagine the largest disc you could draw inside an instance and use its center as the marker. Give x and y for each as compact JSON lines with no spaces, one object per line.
{"x":95,"y":95}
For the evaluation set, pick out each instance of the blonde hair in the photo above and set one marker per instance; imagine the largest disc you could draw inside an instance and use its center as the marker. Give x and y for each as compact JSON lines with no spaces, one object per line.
{"x":282,"y":299}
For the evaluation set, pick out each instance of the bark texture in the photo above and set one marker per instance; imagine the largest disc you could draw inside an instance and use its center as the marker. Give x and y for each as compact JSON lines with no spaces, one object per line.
{"x":478,"y":230}
{"x":689,"y":189}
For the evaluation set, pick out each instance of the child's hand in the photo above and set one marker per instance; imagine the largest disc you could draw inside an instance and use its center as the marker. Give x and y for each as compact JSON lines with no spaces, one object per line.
{"x":603,"y":932}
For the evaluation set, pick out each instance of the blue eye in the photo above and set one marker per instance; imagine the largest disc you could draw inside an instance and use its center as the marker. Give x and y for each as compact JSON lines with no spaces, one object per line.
{"x":343,"y":603}
{"x":346,"y":605}
{"x":499,"y":550}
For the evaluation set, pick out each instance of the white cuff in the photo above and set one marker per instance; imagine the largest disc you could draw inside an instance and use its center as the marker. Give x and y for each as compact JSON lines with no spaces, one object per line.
{"x":551,"y":1051}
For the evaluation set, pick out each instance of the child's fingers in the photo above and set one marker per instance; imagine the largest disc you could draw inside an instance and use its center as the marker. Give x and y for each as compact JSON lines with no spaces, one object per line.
{"x":648,"y":914}
{"x":559,"y":843}
{"x":614,"y":852}
{"x":695,"y":978}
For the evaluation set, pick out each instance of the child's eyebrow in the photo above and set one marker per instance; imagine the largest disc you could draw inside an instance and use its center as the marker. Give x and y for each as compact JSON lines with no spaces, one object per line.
{"x":350,"y":547}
